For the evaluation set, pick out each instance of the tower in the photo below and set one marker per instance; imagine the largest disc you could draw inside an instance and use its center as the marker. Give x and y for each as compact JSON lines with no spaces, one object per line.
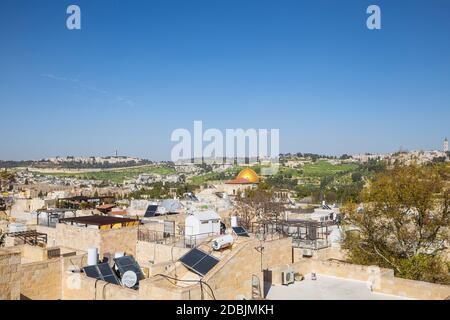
{"x":446,"y":145}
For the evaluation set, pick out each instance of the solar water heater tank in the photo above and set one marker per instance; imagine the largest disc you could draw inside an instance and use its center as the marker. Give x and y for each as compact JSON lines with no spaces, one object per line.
{"x":119,"y":254}
{"x":234,"y":221}
{"x":92,"y":256}
{"x":222,"y":242}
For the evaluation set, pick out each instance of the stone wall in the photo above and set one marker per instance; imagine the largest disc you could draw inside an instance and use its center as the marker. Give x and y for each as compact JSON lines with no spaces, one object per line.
{"x":118,"y":240}
{"x":157,"y":253}
{"x":41,"y":280}
{"x":333,"y":252}
{"x":9,"y":274}
{"x":33,"y":253}
{"x":10,"y":242}
{"x":233,"y":276}
{"x":79,"y":238}
{"x":50,"y":232}
{"x":79,"y":287}
{"x":160,"y":288}
{"x":382,"y":279}
{"x":106,"y":241}
{"x":413,"y":289}
{"x":333,"y":268}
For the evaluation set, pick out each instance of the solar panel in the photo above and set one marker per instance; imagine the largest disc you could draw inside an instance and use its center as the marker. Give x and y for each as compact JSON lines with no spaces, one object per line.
{"x":241,"y":232}
{"x":105,"y":269}
{"x":194,"y":198}
{"x":127,"y":263}
{"x":192,"y":257}
{"x":198,"y":261}
{"x":151,"y":211}
{"x":206,"y":264}
{"x":101,"y":271}
{"x":92,"y":272}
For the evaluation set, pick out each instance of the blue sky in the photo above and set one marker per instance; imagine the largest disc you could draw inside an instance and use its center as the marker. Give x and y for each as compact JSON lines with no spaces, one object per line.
{"x":140,"y":69}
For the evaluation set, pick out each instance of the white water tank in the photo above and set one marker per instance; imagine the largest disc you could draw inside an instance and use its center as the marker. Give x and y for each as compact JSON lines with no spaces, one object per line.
{"x":222,"y":242}
{"x":234,"y":221}
{"x":92,"y":256}
{"x":118,"y":255}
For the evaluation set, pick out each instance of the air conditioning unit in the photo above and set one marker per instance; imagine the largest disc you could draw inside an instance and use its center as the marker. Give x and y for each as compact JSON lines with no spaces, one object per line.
{"x":287,"y":277}
{"x":307,"y":253}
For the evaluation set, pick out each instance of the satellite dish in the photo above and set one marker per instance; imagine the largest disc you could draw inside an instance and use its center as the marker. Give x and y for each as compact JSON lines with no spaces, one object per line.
{"x":129,"y":279}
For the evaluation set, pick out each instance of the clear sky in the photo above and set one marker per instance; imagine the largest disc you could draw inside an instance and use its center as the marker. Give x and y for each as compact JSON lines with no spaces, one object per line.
{"x":140,"y":69}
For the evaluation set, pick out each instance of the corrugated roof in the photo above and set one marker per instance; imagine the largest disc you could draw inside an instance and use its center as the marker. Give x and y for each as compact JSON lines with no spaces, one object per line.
{"x":206,"y":215}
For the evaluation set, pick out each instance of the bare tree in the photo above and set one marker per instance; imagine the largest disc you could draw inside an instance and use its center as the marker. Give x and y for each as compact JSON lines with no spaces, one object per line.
{"x":257,"y":205}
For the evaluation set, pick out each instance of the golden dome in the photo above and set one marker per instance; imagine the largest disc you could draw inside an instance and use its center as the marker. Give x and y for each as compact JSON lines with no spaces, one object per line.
{"x":248,"y":174}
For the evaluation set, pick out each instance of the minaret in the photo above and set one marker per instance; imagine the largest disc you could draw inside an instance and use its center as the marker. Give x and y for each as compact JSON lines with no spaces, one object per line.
{"x":446,"y":145}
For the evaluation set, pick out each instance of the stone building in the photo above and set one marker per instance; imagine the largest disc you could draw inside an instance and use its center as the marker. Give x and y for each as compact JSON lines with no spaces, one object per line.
{"x":250,"y":268}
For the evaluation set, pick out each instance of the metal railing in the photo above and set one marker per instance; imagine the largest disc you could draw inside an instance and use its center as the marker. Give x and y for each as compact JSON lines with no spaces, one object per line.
{"x":305,"y":234}
{"x":310,"y":244}
{"x":181,"y":241}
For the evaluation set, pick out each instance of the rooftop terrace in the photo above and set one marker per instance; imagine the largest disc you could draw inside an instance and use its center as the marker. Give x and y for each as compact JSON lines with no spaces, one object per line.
{"x":327,"y":288}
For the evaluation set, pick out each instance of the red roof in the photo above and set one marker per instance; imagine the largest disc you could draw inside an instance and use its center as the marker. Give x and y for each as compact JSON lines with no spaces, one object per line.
{"x":106,"y":206}
{"x":120,"y":213}
{"x":239,"y":181}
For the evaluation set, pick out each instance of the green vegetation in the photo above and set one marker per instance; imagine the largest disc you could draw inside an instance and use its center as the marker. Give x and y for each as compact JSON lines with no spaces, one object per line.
{"x":318,"y":179}
{"x":210,"y":176}
{"x":114,"y":176}
{"x":403,"y":223}
{"x":324,"y":168}
{"x":322,"y":180}
{"x":6,"y":179}
{"x":159,"y":190}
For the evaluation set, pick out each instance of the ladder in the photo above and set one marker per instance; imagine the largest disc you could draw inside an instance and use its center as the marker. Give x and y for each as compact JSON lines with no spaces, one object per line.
{"x":256,"y":288}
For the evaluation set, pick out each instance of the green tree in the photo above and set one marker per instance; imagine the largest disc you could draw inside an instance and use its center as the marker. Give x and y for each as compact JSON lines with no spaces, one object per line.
{"x":356,"y":176}
{"x":330,"y":196}
{"x":403,"y":222}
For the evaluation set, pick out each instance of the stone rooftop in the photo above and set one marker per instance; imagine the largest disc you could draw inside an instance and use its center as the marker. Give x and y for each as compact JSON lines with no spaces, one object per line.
{"x":327,"y":288}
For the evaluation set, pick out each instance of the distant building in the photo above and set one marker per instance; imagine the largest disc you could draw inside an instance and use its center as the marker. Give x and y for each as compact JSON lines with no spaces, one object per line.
{"x":446,"y":145}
